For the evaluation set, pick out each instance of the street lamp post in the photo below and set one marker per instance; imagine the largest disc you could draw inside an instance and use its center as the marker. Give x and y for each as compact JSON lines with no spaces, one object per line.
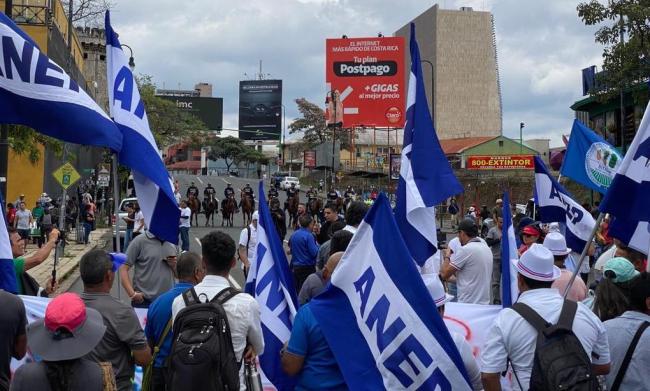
{"x":432,"y":87}
{"x":521,"y":137}
{"x":131,"y":61}
{"x":284,"y":131}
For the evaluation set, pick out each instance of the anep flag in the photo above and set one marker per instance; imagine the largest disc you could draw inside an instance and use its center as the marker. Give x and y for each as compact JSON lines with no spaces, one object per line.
{"x":7,"y":271}
{"x":152,"y":182}
{"x":426,"y":178}
{"x":393,"y":336}
{"x":509,"y":289}
{"x":627,"y":197}
{"x":36,"y":92}
{"x":556,"y":205}
{"x":270,"y":282}
{"x":589,"y":159}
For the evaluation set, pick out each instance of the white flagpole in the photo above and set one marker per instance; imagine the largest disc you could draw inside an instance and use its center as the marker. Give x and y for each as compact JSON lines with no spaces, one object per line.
{"x":116,"y":212}
{"x":584,"y":253}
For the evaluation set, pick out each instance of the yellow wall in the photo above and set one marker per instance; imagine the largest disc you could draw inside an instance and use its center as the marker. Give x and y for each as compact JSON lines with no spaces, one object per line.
{"x":23,"y":177}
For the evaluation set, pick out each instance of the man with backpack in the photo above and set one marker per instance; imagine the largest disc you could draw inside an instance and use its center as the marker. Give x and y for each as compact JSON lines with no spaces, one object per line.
{"x":215,"y":327}
{"x":158,"y":328}
{"x":547,"y":342}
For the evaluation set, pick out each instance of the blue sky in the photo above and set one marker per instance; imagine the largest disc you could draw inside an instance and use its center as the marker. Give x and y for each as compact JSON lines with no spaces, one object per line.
{"x":542,"y":46}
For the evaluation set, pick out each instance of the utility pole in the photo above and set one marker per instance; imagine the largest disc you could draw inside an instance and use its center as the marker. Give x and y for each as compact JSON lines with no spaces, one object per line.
{"x":4,"y":137}
{"x":65,"y":145}
{"x":622,"y":38}
{"x":521,"y":137}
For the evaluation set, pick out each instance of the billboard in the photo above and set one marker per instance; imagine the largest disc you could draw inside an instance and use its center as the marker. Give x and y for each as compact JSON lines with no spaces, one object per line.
{"x":510,"y":162}
{"x":310,"y":159}
{"x":366,"y":77}
{"x":260,"y":109}
{"x":208,"y":110}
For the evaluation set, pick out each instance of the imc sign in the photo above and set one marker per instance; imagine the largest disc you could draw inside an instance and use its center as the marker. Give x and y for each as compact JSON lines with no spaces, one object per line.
{"x":310,"y":159}
{"x":510,"y":162}
{"x":208,"y":110}
{"x":367,"y":77}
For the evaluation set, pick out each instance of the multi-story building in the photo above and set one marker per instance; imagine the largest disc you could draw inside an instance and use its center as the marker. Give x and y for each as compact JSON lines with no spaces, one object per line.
{"x":459,"y":46}
{"x":93,"y":43}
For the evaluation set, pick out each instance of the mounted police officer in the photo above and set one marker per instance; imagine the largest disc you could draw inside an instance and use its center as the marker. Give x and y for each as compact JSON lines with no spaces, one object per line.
{"x":192,"y":191}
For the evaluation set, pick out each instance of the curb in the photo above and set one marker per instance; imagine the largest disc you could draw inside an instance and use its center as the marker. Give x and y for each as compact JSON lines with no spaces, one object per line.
{"x":101,"y":240}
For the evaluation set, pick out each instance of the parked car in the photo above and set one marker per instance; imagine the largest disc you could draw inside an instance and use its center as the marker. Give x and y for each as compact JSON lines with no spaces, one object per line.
{"x":287,"y":181}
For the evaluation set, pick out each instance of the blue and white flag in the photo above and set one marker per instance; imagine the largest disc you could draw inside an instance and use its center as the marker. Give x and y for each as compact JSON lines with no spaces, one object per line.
{"x":627,"y":197}
{"x":589,"y":159}
{"x":7,"y":271}
{"x":36,"y":92}
{"x":634,"y":234}
{"x":509,"y":289}
{"x":393,"y":336}
{"x":270,"y":282}
{"x":153,"y":184}
{"x":556,"y":205}
{"x":426,"y":178}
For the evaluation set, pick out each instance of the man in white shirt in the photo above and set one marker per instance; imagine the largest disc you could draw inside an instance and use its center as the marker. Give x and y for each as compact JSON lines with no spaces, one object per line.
{"x":513,"y":339}
{"x":248,"y":244}
{"x":184,"y":226}
{"x":471,"y":264}
{"x":218,"y":250}
{"x":22,"y":222}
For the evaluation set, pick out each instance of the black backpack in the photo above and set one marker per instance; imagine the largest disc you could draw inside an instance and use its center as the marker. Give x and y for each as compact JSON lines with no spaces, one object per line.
{"x":560,"y":361}
{"x":202,"y":355}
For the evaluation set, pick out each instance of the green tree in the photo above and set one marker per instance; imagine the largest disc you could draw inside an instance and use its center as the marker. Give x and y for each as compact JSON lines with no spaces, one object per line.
{"x":168,"y":123}
{"x":25,"y":141}
{"x":231,"y":150}
{"x":313,"y":126}
{"x":625,"y":64}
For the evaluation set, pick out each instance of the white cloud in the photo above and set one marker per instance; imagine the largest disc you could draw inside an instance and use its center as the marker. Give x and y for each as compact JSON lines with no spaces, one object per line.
{"x":542,"y":47}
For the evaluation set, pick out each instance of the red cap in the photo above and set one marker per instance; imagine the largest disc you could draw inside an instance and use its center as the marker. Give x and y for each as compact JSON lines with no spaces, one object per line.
{"x":530,"y":230}
{"x":67,"y":311}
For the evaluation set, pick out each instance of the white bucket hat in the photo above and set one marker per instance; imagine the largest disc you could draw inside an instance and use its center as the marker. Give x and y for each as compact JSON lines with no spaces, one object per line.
{"x":436,"y":289}
{"x":555,"y":242}
{"x":255,"y":216}
{"x":537,"y":264}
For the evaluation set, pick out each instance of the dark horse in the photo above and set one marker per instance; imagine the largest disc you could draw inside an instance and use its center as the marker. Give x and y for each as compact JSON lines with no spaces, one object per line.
{"x":210,"y":206}
{"x":247,"y":208}
{"x":292,"y":208}
{"x":195,"y":207}
{"x":228,"y":211}
{"x":314,"y":206}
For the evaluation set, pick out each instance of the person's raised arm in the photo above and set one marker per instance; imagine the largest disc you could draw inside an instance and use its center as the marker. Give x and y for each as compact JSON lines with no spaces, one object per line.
{"x":41,"y":255}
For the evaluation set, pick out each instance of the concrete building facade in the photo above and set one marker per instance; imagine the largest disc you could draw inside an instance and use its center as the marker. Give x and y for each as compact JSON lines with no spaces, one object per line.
{"x":461,"y":48}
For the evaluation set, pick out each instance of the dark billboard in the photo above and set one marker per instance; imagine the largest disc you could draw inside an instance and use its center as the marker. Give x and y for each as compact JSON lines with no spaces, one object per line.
{"x":208,"y":110}
{"x":260,"y":109}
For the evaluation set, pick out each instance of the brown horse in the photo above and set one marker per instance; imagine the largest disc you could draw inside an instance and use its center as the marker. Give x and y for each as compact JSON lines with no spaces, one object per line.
{"x":228,"y":212}
{"x":195,"y":207}
{"x":314,"y":206}
{"x":247,"y":208}
{"x":292,"y":208}
{"x":210,"y":206}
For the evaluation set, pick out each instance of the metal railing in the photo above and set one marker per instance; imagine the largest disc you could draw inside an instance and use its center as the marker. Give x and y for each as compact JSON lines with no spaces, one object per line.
{"x":31,"y":14}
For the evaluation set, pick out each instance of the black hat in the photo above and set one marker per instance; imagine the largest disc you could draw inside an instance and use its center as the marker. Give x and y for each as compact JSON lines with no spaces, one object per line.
{"x":468,"y":226}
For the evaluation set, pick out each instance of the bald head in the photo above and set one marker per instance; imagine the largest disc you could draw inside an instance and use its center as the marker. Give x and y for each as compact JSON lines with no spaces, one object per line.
{"x":331,"y":264}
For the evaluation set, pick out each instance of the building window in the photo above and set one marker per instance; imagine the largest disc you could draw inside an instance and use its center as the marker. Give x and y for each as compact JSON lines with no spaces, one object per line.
{"x":500,"y":143}
{"x":85,"y":56}
{"x":102,"y":57}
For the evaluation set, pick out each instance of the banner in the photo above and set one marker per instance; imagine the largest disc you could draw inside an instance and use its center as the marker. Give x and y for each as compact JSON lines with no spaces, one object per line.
{"x":260,"y":109}
{"x":309,"y":159}
{"x":395,"y":166}
{"x":589,"y":159}
{"x":37,"y":92}
{"x":508,"y":162}
{"x":367,"y":78}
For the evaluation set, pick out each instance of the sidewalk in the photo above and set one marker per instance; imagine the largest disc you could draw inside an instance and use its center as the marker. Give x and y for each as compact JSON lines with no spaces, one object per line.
{"x":69,"y":260}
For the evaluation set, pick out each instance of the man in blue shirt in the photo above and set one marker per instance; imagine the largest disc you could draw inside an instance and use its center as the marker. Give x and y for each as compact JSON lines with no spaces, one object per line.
{"x":309,"y":356}
{"x":190,"y":272}
{"x":304,"y":251}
